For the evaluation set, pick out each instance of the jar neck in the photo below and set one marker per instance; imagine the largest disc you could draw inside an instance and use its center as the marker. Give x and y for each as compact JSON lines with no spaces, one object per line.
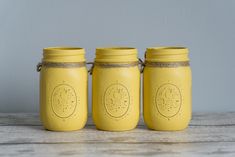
{"x":166,"y":54}
{"x":63,"y":54}
{"x":116,"y":55}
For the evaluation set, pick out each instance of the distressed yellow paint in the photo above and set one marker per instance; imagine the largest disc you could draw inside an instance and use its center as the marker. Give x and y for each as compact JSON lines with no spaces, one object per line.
{"x":167,"y":88}
{"x":116,"y":89}
{"x":63,"y":89}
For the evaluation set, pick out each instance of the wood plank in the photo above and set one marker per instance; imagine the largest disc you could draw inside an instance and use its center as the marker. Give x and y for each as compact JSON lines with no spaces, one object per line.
{"x":36,"y":134}
{"x":116,"y":149}
{"x":199,"y":119}
{"x":19,"y":119}
{"x":224,"y":118}
{"x":208,"y":134}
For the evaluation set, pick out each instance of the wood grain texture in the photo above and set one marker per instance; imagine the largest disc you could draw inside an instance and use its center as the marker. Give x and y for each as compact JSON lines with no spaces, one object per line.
{"x":210,"y":134}
{"x":119,"y":149}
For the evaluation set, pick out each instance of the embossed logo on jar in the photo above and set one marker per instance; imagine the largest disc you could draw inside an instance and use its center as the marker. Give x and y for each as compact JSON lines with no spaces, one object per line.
{"x":168,"y":100}
{"x":116,"y":100}
{"x":63,"y":100}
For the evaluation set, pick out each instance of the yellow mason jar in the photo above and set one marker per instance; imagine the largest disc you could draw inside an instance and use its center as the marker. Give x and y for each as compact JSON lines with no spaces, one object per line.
{"x":63,"y":88}
{"x":116,"y":89}
{"x":167,"y":88}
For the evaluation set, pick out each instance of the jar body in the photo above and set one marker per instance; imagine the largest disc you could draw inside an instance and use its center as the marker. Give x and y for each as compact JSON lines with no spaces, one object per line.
{"x":63,"y":98}
{"x":167,"y":97}
{"x":115,"y":97}
{"x":63,"y":88}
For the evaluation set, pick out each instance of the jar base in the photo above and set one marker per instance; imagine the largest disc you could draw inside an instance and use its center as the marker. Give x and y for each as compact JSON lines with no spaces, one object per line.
{"x":168,"y":129}
{"x":115,"y":130}
{"x":63,"y":130}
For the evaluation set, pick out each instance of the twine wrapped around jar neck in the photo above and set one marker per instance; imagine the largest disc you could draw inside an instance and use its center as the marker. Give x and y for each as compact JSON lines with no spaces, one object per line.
{"x":166,"y":57}
{"x":167,"y":64}
{"x":60,"y":65}
{"x":115,"y":65}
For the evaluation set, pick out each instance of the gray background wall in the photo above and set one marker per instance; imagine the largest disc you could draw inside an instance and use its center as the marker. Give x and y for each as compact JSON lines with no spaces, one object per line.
{"x":206,"y":27}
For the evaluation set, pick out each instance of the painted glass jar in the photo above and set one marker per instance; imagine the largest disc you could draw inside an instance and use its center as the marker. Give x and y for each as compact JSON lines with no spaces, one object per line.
{"x":63,"y":88}
{"x":116,"y":89}
{"x":167,"y":88}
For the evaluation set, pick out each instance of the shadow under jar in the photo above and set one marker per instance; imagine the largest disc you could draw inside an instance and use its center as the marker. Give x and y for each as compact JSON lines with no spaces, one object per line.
{"x":63,"y":88}
{"x":167,"y":88}
{"x":116,"y":89}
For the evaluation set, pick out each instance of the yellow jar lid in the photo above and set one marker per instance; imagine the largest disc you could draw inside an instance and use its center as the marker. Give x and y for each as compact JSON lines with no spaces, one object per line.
{"x":116,"y":54}
{"x":63,"y":54}
{"x":166,"y":54}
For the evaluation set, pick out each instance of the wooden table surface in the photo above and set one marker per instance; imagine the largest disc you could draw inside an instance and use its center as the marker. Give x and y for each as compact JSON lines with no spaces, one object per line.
{"x":209,"y":134}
